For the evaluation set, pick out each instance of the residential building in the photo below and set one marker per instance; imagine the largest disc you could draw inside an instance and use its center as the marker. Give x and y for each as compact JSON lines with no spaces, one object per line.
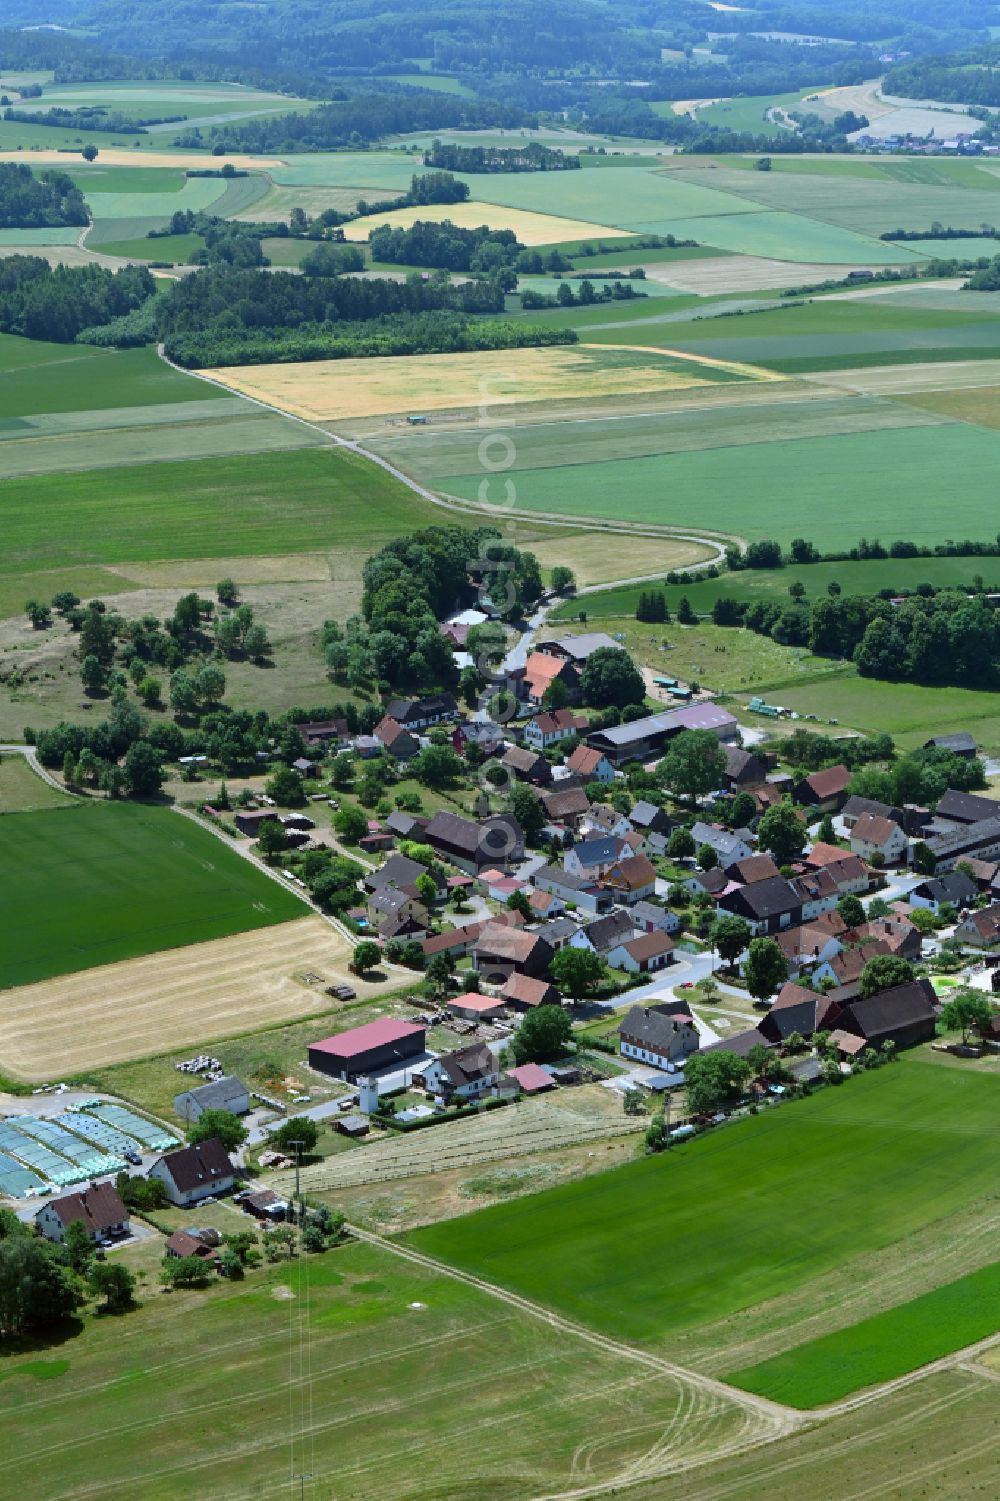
{"x":526,"y":992}
{"x":581,"y":891}
{"x":965,"y":807}
{"x":823,"y":791}
{"x":194,"y":1173}
{"x":398,"y":870}
{"x":848,"y":965}
{"x":878,"y":840}
{"x":466,"y":1074}
{"x":645,"y":739}
{"x":953,"y":888}
{"x":632,"y":879}
{"x":590,"y":765}
{"x":603,"y":819}
{"x":649,"y":918}
{"x":98,"y":1208}
{"x":768,"y":906}
{"x":182,"y":1243}
{"x":607,"y":932}
{"x":980,"y":930}
{"x":642,"y":955}
{"x":856,"y":806}
{"x":421,"y":713}
{"x":729,"y":845}
{"x":540,"y":672}
{"x":552,"y":726}
{"x":591,"y":858}
{"x":650,"y":818}
{"x":566,"y":805}
{"x":752,"y":868}
{"x":545,"y":904}
{"x":658,"y":1035}
{"x":250,"y":820}
{"x":796,"y":1009}
{"x":905,"y":1015}
{"x":744,"y":769}
{"x":367,"y":1049}
{"x":396,"y":740}
{"x":980,"y":840}
{"x":326,"y":732}
{"x":819,"y":892}
{"x":227,"y":1093}
{"x":740,"y":1043}
{"x":396,"y":912}
{"x":849,"y":871}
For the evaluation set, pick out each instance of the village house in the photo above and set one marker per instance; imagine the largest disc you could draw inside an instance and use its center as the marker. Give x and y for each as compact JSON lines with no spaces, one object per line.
{"x":729,"y":845}
{"x":98,"y":1208}
{"x":878,"y":840}
{"x":549,"y":728}
{"x":744,"y":769}
{"x":565,"y":931}
{"x":965,"y":807}
{"x":856,"y":806}
{"x":650,"y":918}
{"x":849,"y":872}
{"x":397,"y":870}
{"x":847,"y":966}
{"x":796,"y":1009}
{"x":980,"y":930}
{"x":227,"y":1093}
{"x":607,"y":932}
{"x":182,"y":1243}
{"x":642,"y":955}
{"x":632,"y":879}
{"x":818,"y":891}
{"x":649,"y":818}
{"x":591,"y":858}
{"x":497,"y":886}
{"x":545,"y":904}
{"x":422,"y":713}
{"x":752,"y":868}
{"x":396,"y":740}
{"x":604,"y":819}
{"x":954,"y":888}
{"x":580,"y":891}
{"x":194,"y":1173}
{"x":324,"y":732}
{"x":768,"y":906}
{"x":566,"y":805}
{"x":540,"y":672}
{"x":395,"y":913}
{"x":979,"y":840}
{"x":823,"y":791}
{"x":590,"y":765}
{"x":812,"y":943}
{"x":466,"y":1074}
{"x":658,"y":1035}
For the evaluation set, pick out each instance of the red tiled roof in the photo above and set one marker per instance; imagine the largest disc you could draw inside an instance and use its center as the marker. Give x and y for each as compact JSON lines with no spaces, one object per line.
{"x":531,"y":1077}
{"x":372,"y":1035}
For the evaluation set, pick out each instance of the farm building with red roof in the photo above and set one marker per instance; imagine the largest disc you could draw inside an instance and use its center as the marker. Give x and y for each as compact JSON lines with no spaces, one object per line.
{"x":362,"y":1050}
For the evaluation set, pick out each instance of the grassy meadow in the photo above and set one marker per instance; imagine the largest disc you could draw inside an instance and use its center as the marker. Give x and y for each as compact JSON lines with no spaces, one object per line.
{"x":94,"y":883}
{"x":753,"y":1211}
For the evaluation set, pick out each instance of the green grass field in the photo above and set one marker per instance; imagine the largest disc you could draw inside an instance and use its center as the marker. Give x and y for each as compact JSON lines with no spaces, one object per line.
{"x":909,"y":712}
{"x":259,"y":505}
{"x":176,"y":248}
{"x":285,"y":1380}
{"x":39,"y":377}
{"x":23,"y":790}
{"x":880,"y":1348}
{"x":92,"y":884}
{"x":751,"y":1212}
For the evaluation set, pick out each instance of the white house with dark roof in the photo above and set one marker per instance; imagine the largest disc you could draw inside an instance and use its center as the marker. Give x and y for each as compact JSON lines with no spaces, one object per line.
{"x":658,"y":1035}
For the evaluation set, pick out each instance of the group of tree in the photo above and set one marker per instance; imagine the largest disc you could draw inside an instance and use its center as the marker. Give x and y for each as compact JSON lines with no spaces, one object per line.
{"x":652,"y":607}
{"x":43,"y":1284}
{"x":442,"y":244}
{"x":613,"y":289}
{"x":534,"y":157}
{"x":30,"y":202}
{"x":57,"y":303}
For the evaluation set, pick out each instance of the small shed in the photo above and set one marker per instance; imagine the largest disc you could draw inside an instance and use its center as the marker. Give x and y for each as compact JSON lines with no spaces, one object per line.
{"x":532,"y":1078}
{"x":353,"y":1125}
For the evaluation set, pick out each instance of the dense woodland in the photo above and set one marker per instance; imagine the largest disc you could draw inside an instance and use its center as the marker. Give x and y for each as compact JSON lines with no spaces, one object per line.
{"x":533,"y":157}
{"x":440,"y":243}
{"x":970,"y":77}
{"x":30,"y":202}
{"x":58,"y":302}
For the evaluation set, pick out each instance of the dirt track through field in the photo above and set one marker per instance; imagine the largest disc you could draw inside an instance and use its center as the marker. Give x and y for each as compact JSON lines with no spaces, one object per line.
{"x":178,"y":998}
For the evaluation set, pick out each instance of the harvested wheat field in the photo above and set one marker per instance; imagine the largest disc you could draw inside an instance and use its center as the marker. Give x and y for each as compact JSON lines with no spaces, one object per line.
{"x":118,"y":157}
{"x":183,"y":997}
{"x":531,"y":228}
{"x":339,"y":390}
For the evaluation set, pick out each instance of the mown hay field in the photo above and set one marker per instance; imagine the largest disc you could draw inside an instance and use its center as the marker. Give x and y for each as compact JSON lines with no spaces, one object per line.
{"x":98,"y":882}
{"x":751,"y":1211}
{"x":466,"y":1396}
{"x":183,"y":997}
{"x":530,"y":228}
{"x":332,"y":390}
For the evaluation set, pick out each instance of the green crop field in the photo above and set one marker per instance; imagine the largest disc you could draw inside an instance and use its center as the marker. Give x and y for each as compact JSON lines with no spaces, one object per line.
{"x":88,"y":885}
{"x":95,"y":178}
{"x":751,"y":1212}
{"x":24,"y":791}
{"x":260,"y":505}
{"x":880,"y":1348}
{"x":62,"y":235}
{"x":925,"y":483}
{"x":866,"y":577}
{"x":287,"y":1357}
{"x":910,"y":712}
{"x":39,"y":377}
{"x":176,"y":248}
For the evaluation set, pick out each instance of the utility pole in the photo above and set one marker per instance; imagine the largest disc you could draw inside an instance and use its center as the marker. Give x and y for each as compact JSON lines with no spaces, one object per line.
{"x":298,"y":1145}
{"x":302,"y":1477}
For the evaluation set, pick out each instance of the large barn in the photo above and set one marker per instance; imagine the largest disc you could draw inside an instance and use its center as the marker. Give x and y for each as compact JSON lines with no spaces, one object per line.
{"x":364,"y":1050}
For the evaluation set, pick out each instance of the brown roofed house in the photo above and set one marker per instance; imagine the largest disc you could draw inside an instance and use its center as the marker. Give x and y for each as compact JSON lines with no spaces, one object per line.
{"x":525,"y":992}
{"x":99,"y":1209}
{"x":194,"y":1172}
{"x":501,"y":950}
{"x":826,"y":791}
{"x":396,"y":740}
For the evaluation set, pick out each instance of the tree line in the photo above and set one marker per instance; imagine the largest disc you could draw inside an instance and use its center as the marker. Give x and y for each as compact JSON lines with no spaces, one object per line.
{"x":534,"y":157}
{"x":57,"y":303}
{"x":446,"y":246}
{"x":42,"y":202}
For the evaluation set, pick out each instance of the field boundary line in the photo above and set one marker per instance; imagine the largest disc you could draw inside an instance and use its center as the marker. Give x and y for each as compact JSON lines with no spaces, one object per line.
{"x":456,"y":503}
